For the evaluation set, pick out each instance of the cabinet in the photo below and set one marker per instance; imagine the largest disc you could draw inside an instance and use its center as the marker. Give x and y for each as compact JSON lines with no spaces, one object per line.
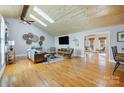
{"x":11,"y":56}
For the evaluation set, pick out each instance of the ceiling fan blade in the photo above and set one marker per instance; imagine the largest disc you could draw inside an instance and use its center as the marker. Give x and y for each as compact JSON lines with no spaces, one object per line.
{"x":30,"y":21}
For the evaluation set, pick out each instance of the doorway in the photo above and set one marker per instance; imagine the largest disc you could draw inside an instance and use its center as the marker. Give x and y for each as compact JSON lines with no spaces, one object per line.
{"x":97,"y":45}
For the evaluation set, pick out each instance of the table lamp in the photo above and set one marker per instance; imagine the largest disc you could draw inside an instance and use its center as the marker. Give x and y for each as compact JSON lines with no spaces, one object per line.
{"x":11,"y":44}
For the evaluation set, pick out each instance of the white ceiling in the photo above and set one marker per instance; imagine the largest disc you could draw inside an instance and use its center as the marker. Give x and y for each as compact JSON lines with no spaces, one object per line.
{"x":70,"y":18}
{"x":11,"y":11}
{"x":75,"y":18}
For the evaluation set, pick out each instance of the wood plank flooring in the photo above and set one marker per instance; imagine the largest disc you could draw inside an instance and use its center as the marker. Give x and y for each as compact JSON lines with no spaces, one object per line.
{"x":90,"y":71}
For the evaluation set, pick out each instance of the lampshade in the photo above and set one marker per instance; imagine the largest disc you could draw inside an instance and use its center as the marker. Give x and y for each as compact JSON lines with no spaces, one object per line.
{"x":11,"y":43}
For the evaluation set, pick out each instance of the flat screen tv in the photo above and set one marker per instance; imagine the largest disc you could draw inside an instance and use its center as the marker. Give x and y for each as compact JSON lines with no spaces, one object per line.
{"x":64,"y":40}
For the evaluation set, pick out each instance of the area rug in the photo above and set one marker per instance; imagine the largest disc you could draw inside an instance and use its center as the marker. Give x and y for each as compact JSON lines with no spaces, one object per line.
{"x":54,"y":60}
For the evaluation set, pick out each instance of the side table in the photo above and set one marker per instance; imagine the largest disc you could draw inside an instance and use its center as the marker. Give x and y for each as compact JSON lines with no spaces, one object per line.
{"x":11,"y":56}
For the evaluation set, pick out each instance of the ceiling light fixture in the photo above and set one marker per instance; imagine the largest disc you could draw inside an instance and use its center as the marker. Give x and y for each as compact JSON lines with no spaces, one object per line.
{"x":36,"y":19}
{"x":43,"y":14}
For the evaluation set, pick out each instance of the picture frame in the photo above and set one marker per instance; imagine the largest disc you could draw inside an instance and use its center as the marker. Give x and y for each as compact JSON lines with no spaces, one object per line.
{"x":120,"y":36}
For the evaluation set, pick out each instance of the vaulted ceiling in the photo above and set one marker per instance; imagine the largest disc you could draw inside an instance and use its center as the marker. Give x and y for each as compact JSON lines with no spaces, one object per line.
{"x":11,"y":11}
{"x":71,"y":18}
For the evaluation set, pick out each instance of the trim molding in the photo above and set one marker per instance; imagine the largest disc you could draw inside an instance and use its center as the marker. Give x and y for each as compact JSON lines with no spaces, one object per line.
{"x":21,"y":55}
{"x":111,"y":60}
{"x":2,"y":70}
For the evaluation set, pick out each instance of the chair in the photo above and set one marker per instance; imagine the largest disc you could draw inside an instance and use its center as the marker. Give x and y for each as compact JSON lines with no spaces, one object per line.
{"x":102,"y":50}
{"x":52,"y":52}
{"x":69,"y":53}
{"x":118,"y":57}
{"x":52,"y":49}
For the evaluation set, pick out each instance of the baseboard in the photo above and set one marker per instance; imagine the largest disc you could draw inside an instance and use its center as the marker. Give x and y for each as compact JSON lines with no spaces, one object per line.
{"x":2,"y":70}
{"x":82,"y":56}
{"x":111,"y":60}
{"x":21,"y":55}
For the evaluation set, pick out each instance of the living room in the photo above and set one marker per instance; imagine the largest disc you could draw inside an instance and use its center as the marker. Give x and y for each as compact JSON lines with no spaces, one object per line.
{"x":57,"y":53}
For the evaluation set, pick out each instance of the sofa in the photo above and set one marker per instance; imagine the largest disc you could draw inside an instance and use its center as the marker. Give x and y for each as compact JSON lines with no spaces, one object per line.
{"x":36,"y":55}
{"x":66,"y":52}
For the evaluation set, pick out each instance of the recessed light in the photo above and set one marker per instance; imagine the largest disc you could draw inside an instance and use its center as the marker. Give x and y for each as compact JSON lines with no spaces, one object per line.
{"x":43,"y":14}
{"x":38,"y":20}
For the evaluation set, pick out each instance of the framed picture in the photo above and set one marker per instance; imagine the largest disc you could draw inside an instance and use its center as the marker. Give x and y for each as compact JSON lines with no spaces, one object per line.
{"x":120,"y":36}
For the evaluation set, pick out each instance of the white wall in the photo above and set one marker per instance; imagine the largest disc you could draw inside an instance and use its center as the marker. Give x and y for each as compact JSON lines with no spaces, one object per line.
{"x":80,"y":36}
{"x":2,"y":45}
{"x":16,"y":31}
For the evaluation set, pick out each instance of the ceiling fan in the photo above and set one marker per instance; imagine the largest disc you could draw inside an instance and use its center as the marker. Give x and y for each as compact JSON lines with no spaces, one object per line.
{"x":23,"y":19}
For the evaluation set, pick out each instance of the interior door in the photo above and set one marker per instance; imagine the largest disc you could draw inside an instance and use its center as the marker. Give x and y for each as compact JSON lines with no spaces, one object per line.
{"x":99,"y":43}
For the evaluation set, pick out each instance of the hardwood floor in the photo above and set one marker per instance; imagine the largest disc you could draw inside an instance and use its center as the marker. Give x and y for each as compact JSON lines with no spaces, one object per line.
{"x":76,"y":72}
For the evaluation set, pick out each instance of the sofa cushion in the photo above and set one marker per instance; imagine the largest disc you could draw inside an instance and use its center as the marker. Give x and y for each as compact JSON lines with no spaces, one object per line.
{"x":39,"y":49}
